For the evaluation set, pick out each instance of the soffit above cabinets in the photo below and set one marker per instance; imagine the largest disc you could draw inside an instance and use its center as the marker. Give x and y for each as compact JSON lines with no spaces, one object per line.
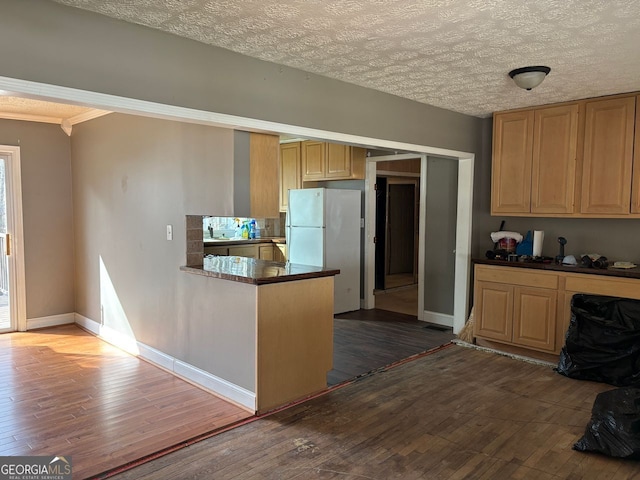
{"x":65,"y":115}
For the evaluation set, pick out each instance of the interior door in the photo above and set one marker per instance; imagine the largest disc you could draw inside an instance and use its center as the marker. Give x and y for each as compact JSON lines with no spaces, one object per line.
{"x":401,"y":229}
{"x":380,"y":236}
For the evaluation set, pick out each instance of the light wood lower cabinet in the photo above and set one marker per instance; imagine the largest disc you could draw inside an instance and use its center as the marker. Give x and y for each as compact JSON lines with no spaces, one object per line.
{"x":530,"y":309}
{"x":265,"y":252}
{"x":222,"y":251}
{"x":494,"y":306}
{"x":249,"y":251}
{"x":517,"y":306}
{"x":534,"y":318}
{"x":516,"y":314}
{"x":280,"y":252}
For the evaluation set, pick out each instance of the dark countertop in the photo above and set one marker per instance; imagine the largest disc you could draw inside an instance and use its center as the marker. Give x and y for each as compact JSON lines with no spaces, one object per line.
{"x":257,"y":272}
{"x":612,"y":272}
{"x":212,"y":242}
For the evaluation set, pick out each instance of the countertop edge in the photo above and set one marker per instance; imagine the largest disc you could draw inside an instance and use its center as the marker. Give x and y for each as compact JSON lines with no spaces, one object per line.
{"x":611,"y":272}
{"x":209,"y":242}
{"x":261,"y":279}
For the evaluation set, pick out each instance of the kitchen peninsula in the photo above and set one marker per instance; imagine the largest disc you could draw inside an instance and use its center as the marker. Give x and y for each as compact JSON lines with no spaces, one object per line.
{"x":276,"y":325}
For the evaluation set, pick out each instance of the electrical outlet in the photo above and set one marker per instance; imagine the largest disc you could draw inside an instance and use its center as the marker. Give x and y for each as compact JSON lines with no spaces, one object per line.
{"x":169,"y":232}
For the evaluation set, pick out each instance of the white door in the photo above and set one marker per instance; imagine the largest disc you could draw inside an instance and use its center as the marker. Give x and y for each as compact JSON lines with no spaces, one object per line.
{"x":12,"y":298}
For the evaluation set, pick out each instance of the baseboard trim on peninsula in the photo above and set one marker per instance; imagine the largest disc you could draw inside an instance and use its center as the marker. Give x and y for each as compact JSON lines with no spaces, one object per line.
{"x":206,"y":380}
{"x":438,"y":318}
{"x":50,"y":321}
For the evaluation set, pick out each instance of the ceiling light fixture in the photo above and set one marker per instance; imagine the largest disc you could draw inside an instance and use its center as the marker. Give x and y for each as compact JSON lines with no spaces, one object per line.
{"x":529,"y":77}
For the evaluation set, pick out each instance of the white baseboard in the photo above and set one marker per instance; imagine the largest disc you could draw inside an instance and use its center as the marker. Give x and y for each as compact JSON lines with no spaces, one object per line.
{"x":438,"y":318}
{"x":50,"y":321}
{"x":206,"y":380}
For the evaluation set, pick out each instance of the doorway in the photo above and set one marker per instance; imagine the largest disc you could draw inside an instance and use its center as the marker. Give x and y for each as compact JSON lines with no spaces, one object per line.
{"x":12,"y":298}
{"x":396,"y":230}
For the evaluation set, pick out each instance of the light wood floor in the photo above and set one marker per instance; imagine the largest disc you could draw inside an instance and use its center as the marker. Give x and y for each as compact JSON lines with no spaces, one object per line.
{"x":66,"y":392}
{"x":399,"y":300}
{"x":457,"y":414}
{"x":398,"y":280}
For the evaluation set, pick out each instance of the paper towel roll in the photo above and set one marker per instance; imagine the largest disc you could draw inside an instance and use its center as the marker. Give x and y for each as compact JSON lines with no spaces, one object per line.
{"x":538,"y":238}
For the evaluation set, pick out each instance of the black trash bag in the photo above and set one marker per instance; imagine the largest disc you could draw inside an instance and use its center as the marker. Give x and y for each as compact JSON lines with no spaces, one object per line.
{"x":614,"y":428}
{"x":603,"y":341}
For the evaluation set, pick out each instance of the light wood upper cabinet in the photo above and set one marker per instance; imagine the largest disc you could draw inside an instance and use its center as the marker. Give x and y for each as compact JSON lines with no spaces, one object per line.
{"x":534,"y":161}
{"x":338,"y":161}
{"x":553,"y":175}
{"x":313,"y":160}
{"x":608,"y":156}
{"x":573,"y":159}
{"x":290,"y":174}
{"x":512,"y":156}
{"x":635,"y":187}
{"x":330,"y":161}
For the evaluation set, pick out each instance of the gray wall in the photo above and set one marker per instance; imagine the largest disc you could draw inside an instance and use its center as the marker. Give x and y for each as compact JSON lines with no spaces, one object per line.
{"x":47,"y":215}
{"x":440,"y":238}
{"x":132,"y":176}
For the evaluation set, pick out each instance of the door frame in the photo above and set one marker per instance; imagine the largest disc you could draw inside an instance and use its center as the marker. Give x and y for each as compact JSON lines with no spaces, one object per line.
{"x":17,"y":283}
{"x":463,"y":233}
{"x":466,"y":161}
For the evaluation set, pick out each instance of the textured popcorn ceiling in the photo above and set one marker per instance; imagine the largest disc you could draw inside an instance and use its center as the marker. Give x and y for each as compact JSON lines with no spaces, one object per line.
{"x":454,"y":54}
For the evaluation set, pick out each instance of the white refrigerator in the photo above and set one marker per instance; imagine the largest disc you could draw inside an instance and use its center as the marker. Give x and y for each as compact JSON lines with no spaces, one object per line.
{"x":323,"y":230}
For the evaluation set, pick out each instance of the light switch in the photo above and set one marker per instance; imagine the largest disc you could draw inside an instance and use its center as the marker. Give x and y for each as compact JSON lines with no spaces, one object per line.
{"x":169,"y":232}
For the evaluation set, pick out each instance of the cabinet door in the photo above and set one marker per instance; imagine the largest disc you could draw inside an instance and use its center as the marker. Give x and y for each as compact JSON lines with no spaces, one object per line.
{"x":224,"y":251}
{"x":534,"y":318}
{"x":494,"y":315}
{"x":608,"y":154}
{"x":635,"y":189}
{"x":313,"y":160}
{"x":249,"y":251}
{"x":553,"y":172}
{"x":512,"y":156}
{"x":338,"y":161}
{"x":265,"y":252}
{"x":280,"y":252}
{"x":290,"y":178}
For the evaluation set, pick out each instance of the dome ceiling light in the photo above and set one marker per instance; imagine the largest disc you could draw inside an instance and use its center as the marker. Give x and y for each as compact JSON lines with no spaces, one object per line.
{"x":529,"y":77}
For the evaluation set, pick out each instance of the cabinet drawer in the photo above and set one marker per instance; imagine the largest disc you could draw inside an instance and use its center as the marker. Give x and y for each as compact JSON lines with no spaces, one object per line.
{"x":603,"y":285}
{"x":516,"y":276}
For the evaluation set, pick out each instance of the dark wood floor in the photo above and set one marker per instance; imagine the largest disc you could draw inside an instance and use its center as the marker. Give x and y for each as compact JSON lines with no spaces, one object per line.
{"x":366,"y":340}
{"x":456,"y":414}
